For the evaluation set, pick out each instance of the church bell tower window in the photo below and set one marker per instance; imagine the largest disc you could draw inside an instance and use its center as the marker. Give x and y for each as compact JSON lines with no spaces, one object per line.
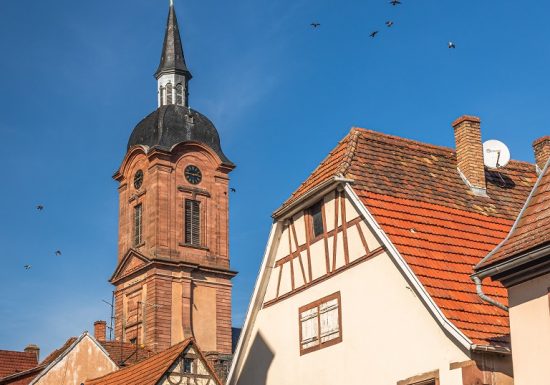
{"x":192,"y":222}
{"x":179,"y":95}
{"x":161,"y":96}
{"x":169,"y":93}
{"x":138,"y":213}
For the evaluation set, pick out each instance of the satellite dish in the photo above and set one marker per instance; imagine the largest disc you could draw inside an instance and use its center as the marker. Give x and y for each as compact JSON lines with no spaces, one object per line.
{"x":495,"y":154}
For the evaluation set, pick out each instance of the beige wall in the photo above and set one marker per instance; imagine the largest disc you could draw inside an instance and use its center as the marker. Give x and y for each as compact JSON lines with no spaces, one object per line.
{"x":530,"y":329}
{"x":387,"y":335}
{"x":85,"y":361}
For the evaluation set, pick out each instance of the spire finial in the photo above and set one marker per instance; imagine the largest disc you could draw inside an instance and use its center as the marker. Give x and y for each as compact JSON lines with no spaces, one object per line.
{"x":171,"y":3}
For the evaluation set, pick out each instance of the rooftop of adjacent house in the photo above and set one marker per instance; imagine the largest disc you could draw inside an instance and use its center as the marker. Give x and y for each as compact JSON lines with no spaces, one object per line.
{"x":531,"y":229}
{"x":149,"y":371}
{"x":437,"y":223}
{"x":125,"y":353}
{"x":12,"y":362}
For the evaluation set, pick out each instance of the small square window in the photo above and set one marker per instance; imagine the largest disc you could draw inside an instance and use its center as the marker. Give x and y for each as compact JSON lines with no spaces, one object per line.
{"x":320,"y":324}
{"x":316,"y":213}
{"x":133,"y":341}
{"x":188,"y":365}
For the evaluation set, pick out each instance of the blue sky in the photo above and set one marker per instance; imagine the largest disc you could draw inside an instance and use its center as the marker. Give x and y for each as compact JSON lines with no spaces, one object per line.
{"x":76,"y":76}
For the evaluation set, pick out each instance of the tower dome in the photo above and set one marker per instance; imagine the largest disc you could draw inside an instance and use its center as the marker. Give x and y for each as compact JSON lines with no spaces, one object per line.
{"x":171,"y":124}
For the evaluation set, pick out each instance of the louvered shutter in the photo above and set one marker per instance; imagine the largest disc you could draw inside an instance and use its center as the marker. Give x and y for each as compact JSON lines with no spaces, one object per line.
{"x":310,"y":328}
{"x":329,"y":318}
{"x":169,"y":93}
{"x":192,"y":222}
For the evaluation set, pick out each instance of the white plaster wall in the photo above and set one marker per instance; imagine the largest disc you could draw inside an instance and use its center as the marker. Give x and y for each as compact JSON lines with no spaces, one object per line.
{"x":387,"y":333}
{"x":530,"y":331}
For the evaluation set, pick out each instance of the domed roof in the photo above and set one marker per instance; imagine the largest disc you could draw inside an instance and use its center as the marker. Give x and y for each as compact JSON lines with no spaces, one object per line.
{"x":172,"y":124}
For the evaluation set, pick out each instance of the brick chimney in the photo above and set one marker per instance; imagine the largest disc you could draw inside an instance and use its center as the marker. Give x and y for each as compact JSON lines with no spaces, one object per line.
{"x":33,"y":349}
{"x":542,"y":151}
{"x":100,"y":330}
{"x":469,"y":152}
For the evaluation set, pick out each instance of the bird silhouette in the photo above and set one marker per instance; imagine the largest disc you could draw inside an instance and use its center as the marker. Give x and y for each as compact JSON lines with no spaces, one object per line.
{"x":27,"y":267}
{"x":40,"y":207}
{"x":58,"y":253}
{"x":452,"y":45}
{"x":389,"y":23}
{"x":233,"y":190}
{"x":315,"y":25}
{"x":395,"y":2}
{"x":373,"y":34}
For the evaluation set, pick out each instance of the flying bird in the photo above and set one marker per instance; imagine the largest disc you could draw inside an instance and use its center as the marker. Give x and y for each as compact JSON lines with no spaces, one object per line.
{"x":373,"y":34}
{"x":233,"y":190}
{"x":389,"y":23}
{"x":452,"y":45}
{"x":315,"y":25}
{"x":395,"y":2}
{"x":40,"y":207}
{"x":27,"y":267}
{"x":58,"y":253}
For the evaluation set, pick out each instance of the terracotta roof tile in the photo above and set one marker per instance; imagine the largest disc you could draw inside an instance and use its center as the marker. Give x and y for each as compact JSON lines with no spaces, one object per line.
{"x":56,"y":353}
{"x":436,"y":223}
{"x":12,"y":362}
{"x":532,"y":227}
{"x":149,"y":371}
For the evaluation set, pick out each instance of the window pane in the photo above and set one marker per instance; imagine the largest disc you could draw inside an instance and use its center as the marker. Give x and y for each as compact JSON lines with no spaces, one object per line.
{"x":317,"y":219}
{"x":310,"y":328}
{"x":330,"y":326}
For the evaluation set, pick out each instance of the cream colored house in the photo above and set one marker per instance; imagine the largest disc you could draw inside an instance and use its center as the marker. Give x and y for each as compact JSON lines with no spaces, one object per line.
{"x":522,"y":263}
{"x":80,"y":358}
{"x":366,"y":274}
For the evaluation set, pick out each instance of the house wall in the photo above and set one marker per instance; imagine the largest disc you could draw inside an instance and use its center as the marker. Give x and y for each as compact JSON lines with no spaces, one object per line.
{"x":86,"y":360}
{"x":387,"y":334}
{"x":530,"y":330}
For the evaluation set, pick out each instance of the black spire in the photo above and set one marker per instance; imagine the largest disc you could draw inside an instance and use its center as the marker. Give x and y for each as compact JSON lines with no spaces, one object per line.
{"x":172,"y":59}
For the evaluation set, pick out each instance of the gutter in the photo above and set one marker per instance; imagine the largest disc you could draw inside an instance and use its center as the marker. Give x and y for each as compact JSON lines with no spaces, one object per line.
{"x":491,"y":349}
{"x":483,"y":273}
{"x":485,"y":297}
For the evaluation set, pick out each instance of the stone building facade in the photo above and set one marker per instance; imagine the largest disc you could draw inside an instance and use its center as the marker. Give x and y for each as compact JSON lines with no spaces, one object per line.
{"x":173,"y":277}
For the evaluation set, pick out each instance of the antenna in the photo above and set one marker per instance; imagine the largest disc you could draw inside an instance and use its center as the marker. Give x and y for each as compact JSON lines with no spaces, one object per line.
{"x":495,"y":154}
{"x":112,"y":306}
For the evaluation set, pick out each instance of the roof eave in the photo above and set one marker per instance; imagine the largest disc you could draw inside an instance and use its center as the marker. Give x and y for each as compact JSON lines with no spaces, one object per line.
{"x":508,"y":267}
{"x":308,"y":198}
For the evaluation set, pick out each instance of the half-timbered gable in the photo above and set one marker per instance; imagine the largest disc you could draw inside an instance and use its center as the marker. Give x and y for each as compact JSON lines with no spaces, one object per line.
{"x":304,"y":258}
{"x":366,"y":275}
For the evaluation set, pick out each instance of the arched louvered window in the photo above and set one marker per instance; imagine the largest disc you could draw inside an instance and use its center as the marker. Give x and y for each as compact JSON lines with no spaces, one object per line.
{"x":162,"y":96}
{"x":169,"y":94}
{"x":192,"y":222}
{"x":179,"y":95}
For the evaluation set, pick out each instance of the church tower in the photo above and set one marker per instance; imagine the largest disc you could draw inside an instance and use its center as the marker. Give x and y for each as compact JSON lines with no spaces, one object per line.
{"x":173,"y":278}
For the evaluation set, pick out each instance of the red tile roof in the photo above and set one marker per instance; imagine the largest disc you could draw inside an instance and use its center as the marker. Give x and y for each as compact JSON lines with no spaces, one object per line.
{"x":149,"y":371}
{"x":532,"y":227}
{"x":12,"y":362}
{"x":437,"y":224}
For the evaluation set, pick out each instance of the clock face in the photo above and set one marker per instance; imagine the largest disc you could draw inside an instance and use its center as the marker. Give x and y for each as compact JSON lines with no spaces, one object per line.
{"x":138,"y":179}
{"x":193,"y":174}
